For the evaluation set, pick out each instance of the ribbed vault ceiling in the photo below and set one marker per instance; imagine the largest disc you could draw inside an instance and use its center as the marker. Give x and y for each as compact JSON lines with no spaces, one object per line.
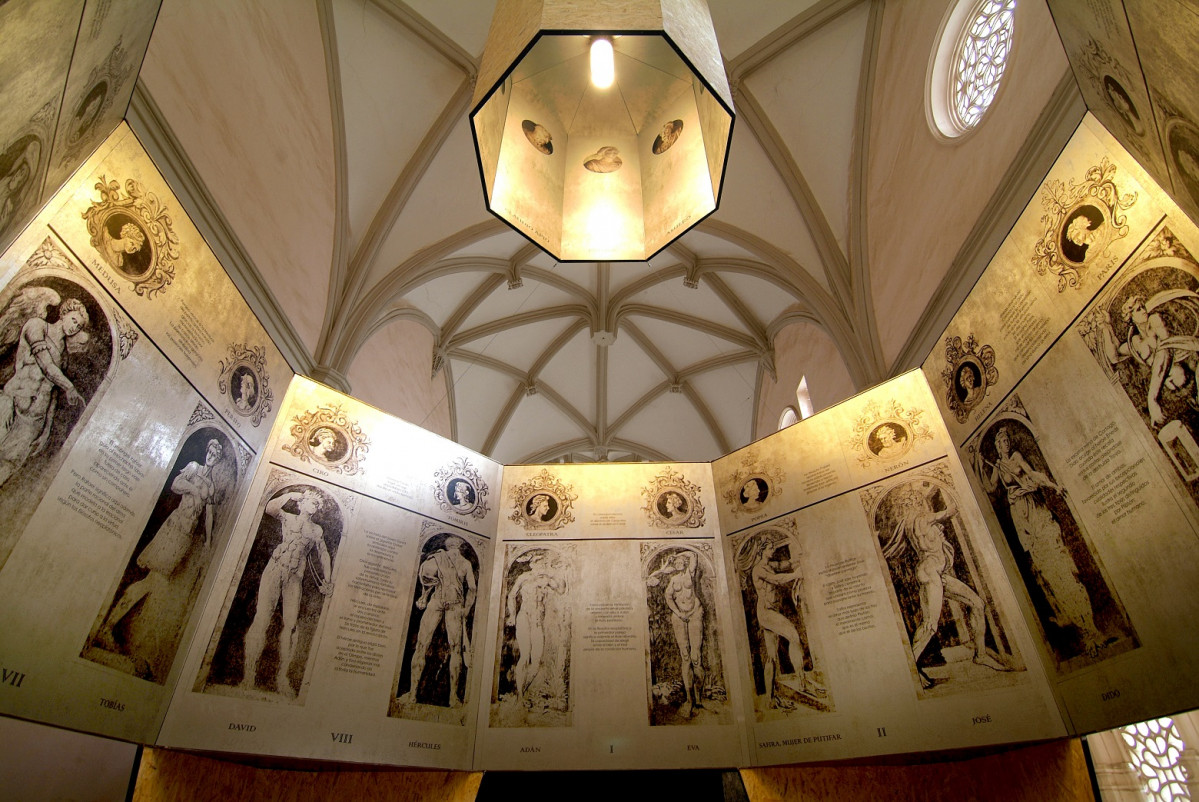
{"x":333,"y":136}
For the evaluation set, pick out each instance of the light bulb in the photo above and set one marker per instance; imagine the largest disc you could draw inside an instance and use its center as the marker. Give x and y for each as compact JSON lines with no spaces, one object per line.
{"x":603,"y":68}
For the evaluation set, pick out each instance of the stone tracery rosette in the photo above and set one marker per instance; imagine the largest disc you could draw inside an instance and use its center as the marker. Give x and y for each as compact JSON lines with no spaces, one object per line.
{"x":672,"y":502}
{"x":1080,"y":222}
{"x":460,"y":478}
{"x":767,"y":480}
{"x":147,"y":212}
{"x":543,"y":502}
{"x":962,"y":358}
{"x":249,"y":360}
{"x":328,"y":437}
{"x":870,"y":432}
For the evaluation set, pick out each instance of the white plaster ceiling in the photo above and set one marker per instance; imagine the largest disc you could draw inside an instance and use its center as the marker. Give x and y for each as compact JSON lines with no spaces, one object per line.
{"x":333,"y":136}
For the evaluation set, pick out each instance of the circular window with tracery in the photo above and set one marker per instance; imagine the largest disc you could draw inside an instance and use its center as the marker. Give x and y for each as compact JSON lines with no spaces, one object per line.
{"x":967,"y":67}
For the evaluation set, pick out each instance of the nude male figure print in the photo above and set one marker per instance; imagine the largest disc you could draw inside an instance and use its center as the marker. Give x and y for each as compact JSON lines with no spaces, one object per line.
{"x":686,"y":621}
{"x":526,"y":605}
{"x":923,"y":530}
{"x":448,"y":594}
{"x":283,"y":579}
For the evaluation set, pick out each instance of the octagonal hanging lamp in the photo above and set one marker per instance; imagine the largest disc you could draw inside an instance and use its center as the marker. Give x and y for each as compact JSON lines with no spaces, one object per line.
{"x":592,"y":172}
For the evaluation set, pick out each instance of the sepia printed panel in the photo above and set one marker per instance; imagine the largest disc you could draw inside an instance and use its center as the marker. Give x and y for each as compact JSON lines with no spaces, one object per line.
{"x":1079,"y":614}
{"x":863,"y":438}
{"x":110,"y":443}
{"x":119,"y":217}
{"x":958,"y":636}
{"x":1103,"y":55}
{"x":1095,"y":207}
{"x":275,"y":610}
{"x":35,"y":55}
{"x":138,"y":630}
{"x":349,"y":625}
{"x":91,"y":420}
{"x":875,"y":613}
{"x":1089,"y":471}
{"x":327,"y":434}
{"x":1161,"y":31}
{"x":109,"y":48}
{"x":609,"y":646}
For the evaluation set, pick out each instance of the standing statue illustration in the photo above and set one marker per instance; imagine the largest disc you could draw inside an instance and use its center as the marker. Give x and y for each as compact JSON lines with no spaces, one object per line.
{"x":526,"y":612}
{"x":777,"y":579}
{"x":687,"y":622}
{"x":282,"y":582}
{"x":1041,"y":537}
{"x":447,"y":594}
{"x":924,"y":531}
{"x":175,"y":555}
{"x":29,"y":397}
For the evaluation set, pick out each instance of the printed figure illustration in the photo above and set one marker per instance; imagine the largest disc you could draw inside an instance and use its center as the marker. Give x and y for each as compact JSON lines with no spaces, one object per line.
{"x":133,"y":232}
{"x":605,"y":160}
{"x":672,"y":506}
{"x":538,"y":137}
{"x":104,"y":84}
{"x":459,"y":488}
{"x":889,"y":441}
{"x":1081,"y":221}
{"x":20,"y":165}
{"x":751,"y":485}
{"x":327,"y":436}
{"x":439,"y":644}
{"x":1121,"y":102}
{"x":138,"y":631}
{"x":673,"y":502}
{"x":969,"y":372}
{"x":245,"y":380}
{"x":1080,"y":616}
{"x":1182,"y":150}
{"x":88,"y":111}
{"x":23,"y":170}
{"x":886,"y":432}
{"x":686,"y":678}
{"x":37,"y":383}
{"x":754,"y":493}
{"x":1144,"y":332}
{"x":532,"y":684}
{"x":462,"y":496}
{"x":267,"y":641}
{"x":1110,"y":81}
{"x":245,"y":392}
{"x":786,"y":680}
{"x":1185,"y":156}
{"x":327,"y":444}
{"x":541,"y":507}
{"x":543,"y":502}
{"x":954,"y":631}
{"x":670,"y":135}
{"x":922,"y":529}
{"x":56,"y":355}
